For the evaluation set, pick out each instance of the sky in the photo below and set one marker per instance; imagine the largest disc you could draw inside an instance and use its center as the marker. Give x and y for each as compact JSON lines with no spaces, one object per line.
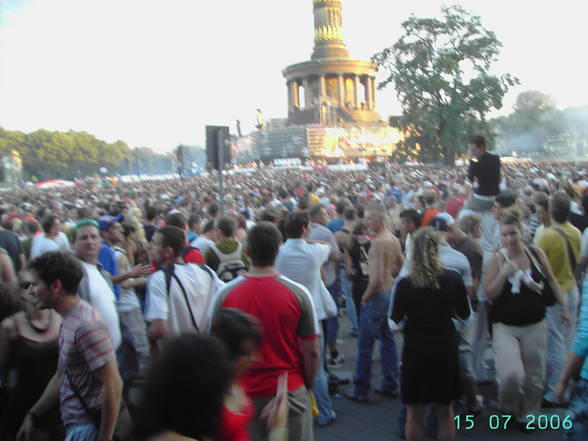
{"x":155,"y":73}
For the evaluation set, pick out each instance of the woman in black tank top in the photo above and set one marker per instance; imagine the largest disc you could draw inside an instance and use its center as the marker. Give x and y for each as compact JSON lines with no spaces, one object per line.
{"x":29,"y":352}
{"x":515,"y":280}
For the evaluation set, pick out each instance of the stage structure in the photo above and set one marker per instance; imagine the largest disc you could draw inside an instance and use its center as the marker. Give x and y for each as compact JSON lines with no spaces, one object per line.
{"x":331,"y":98}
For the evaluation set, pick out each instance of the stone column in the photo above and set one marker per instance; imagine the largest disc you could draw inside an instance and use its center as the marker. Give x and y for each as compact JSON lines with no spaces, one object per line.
{"x":367,"y":91}
{"x":341,"y":90}
{"x":307,"y":93}
{"x":372,"y":93}
{"x":289,"y":85}
{"x":296,"y":93}
{"x":322,"y":86}
{"x":356,"y":90}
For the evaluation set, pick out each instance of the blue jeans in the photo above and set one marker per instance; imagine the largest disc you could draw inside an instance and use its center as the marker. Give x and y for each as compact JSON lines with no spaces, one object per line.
{"x":373,"y":324}
{"x":320,"y":389}
{"x":349,"y":303}
{"x":333,"y":323}
{"x":578,"y":412}
{"x":559,"y":340}
{"x":81,"y":432}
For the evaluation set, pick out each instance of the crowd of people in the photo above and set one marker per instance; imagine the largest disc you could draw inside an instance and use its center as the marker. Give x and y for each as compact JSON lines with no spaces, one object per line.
{"x":154,"y":311}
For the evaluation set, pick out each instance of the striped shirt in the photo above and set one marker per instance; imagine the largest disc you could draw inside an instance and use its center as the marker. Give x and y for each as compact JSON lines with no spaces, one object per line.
{"x":85,"y":346}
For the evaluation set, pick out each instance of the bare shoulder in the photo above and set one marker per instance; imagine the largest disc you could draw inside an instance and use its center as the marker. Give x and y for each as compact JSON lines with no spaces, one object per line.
{"x":388,"y":240}
{"x":8,"y":326}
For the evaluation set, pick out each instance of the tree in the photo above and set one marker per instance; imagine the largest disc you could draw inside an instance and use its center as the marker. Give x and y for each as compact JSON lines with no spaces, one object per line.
{"x":440,"y":69}
{"x":67,"y":155}
{"x":535,"y":120}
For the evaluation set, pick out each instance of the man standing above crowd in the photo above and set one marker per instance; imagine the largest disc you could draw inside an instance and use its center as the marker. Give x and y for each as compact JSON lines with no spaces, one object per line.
{"x":484,"y":173}
{"x":87,"y":374}
{"x":290,"y":333}
{"x":561,"y":243}
{"x":384,"y":263}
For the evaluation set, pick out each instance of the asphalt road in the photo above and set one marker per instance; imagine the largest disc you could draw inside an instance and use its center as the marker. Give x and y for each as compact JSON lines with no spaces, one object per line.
{"x":378,"y":419}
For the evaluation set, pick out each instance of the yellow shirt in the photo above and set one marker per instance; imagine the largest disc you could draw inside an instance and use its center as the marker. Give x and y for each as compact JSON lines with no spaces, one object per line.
{"x":314,"y":199}
{"x":556,"y":248}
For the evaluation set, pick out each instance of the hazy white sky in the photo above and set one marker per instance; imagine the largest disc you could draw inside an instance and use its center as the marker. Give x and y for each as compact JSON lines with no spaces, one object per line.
{"x":154,"y":73}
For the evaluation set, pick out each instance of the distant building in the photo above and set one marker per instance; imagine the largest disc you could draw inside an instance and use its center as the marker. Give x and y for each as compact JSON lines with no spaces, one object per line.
{"x":332,"y":109}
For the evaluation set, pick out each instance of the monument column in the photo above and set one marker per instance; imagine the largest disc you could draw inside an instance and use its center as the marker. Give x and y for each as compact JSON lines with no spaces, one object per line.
{"x":356,"y":90}
{"x":322,"y":86}
{"x":372,"y":92}
{"x":296,"y":95}
{"x":340,"y":91}
{"x":289,"y":84}
{"x":307,"y":93}
{"x":366,"y":91}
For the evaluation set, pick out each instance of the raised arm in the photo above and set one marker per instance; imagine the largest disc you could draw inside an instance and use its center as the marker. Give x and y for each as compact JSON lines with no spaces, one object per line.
{"x":496,"y":276}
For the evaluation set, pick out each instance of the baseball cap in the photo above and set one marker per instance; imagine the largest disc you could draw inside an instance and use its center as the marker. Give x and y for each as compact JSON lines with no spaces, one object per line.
{"x":442,"y":222}
{"x":105,"y":222}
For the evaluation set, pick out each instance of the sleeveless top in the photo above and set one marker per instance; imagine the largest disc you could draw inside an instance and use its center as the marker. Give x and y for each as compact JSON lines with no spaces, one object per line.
{"x":524,"y":308}
{"x":35,"y":363}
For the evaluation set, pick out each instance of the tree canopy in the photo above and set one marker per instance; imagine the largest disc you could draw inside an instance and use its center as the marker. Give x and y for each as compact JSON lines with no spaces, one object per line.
{"x":441,"y":70}
{"x":536,"y":122}
{"x":47,"y":154}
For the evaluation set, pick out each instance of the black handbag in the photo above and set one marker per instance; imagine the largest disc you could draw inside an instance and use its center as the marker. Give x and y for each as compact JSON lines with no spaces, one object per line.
{"x":547,"y":292}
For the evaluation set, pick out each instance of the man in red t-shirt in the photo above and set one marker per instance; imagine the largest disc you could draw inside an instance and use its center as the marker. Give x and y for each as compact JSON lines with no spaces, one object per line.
{"x":290,"y":332}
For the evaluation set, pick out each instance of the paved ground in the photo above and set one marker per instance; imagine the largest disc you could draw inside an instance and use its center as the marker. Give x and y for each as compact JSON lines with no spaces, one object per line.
{"x":377,"y":421}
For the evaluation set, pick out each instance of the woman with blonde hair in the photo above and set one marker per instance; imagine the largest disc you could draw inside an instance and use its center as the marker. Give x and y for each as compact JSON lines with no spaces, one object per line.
{"x":427,"y":298}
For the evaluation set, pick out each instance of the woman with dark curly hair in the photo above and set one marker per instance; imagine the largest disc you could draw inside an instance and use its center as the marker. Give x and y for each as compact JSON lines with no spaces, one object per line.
{"x":186,"y":391}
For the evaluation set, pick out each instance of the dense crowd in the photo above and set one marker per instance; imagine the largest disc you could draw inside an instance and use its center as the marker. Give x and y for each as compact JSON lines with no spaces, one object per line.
{"x":223,"y":316}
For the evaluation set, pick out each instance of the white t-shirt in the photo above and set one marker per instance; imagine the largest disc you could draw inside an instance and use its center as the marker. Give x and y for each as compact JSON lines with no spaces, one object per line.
{"x":201,"y":287}
{"x":62,"y":241}
{"x":42,"y":245}
{"x":103,"y":300}
{"x":202,"y":243}
{"x":301,"y":262}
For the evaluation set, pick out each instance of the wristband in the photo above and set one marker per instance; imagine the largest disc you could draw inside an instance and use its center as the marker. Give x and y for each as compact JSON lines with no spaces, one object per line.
{"x":278,"y":434}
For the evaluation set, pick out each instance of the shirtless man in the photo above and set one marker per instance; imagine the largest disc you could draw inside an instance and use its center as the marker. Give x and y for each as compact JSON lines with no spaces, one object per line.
{"x":384,"y":262}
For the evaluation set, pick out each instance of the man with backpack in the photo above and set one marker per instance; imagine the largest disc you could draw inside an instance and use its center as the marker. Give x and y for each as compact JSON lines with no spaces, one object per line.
{"x":179,"y":294}
{"x":226,"y":257}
